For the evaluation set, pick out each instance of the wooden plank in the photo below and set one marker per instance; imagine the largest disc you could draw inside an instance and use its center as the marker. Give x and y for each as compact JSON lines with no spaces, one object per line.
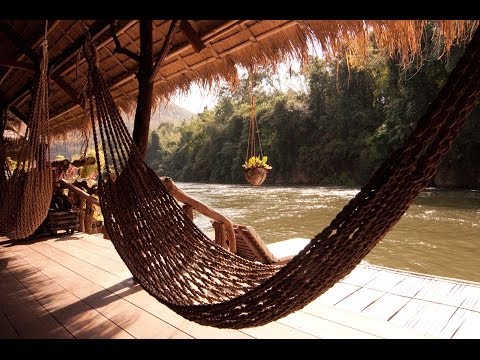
{"x":385,"y":281}
{"x":124,"y":289}
{"x":410,"y":286}
{"x":32,"y":321}
{"x":131,"y":292}
{"x":321,"y":328}
{"x":360,"y":322}
{"x":56,"y":274}
{"x":441,"y":292}
{"x":386,"y":307}
{"x":472,"y":298}
{"x":359,"y":300}
{"x":77,"y":317}
{"x":26,"y":315}
{"x":276,"y":330}
{"x":460,"y":318}
{"x":113,"y":267}
{"x":360,"y":276}
{"x":470,"y":327}
{"x":149,"y":304}
{"x":109,"y":253}
{"x":426,"y":317}
{"x":97,"y":240}
{"x":58,"y":265}
{"x":451,"y":293}
{"x":6,"y":329}
{"x":336,"y":294}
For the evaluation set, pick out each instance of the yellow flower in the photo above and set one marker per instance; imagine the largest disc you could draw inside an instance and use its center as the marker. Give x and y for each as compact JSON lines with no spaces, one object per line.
{"x":256,"y":162}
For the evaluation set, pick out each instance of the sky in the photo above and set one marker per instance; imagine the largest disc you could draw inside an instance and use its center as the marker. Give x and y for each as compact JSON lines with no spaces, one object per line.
{"x":198,"y":98}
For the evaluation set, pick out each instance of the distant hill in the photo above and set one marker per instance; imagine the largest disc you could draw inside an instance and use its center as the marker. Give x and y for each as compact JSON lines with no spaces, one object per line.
{"x":171,"y":113}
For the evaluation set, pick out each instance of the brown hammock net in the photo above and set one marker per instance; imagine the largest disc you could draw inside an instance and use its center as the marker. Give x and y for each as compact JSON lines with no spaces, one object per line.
{"x":177,"y":264}
{"x":4,"y":169}
{"x":29,"y":188}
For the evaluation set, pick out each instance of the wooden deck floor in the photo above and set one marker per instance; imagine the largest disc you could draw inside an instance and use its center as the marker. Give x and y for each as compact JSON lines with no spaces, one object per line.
{"x":77,"y":287}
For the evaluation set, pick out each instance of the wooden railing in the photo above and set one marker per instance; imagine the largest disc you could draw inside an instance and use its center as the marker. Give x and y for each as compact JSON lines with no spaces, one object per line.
{"x":85,"y":216}
{"x":224,"y":232}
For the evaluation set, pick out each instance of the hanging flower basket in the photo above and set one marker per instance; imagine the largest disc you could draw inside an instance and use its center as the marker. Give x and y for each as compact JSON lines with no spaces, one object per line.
{"x":256,"y":170}
{"x":256,"y":176}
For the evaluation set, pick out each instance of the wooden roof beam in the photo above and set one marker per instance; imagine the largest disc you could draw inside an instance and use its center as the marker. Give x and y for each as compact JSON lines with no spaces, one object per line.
{"x":21,"y":44}
{"x":59,"y":63}
{"x":167,"y":44}
{"x":192,"y":36}
{"x":11,"y":63}
{"x":12,"y":109}
{"x":97,"y":29}
{"x":51,"y":26}
{"x":210,"y":36}
{"x":118,"y":47}
{"x":18,"y":114}
{"x":63,"y":68}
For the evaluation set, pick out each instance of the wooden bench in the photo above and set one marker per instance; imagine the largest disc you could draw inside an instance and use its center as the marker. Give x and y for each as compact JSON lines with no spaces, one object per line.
{"x":59,"y":220}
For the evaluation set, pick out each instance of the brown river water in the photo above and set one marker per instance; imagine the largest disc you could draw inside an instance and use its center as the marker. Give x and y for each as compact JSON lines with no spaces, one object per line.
{"x":439,"y":234}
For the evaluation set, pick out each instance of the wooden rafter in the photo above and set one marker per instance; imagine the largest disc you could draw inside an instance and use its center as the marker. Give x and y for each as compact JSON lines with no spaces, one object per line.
{"x":12,"y":63}
{"x":167,"y":43}
{"x":18,"y":114}
{"x":210,"y":36}
{"x":118,"y":47}
{"x":192,"y":36}
{"x":51,"y":26}
{"x":60,"y":64}
{"x":97,"y":29}
{"x":21,"y":44}
{"x":12,"y":109}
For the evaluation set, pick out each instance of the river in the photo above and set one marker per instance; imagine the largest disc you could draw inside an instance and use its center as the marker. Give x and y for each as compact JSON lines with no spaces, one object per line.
{"x":438,"y":235}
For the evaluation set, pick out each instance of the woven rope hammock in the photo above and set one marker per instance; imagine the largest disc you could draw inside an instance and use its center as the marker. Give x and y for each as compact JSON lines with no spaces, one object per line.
{"x":177,"y":264}
{"x":29,"y":188}
{"x":4,"y":169}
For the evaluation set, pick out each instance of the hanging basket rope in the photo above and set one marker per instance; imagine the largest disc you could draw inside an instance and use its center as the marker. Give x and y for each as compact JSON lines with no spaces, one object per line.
{"x":177,"y":264}
{"x":255,"y":167}
{"x":29,"y":188}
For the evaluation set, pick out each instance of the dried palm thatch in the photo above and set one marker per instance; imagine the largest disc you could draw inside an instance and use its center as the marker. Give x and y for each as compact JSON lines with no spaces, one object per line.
{"x":224,"y":45}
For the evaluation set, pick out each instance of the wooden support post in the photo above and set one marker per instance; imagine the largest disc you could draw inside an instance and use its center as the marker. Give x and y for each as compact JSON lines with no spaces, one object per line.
{"x":220,"y":237}
{"x":145,"y":87}
{"x":88,"y":217}
{"x":188,"y":210}
{"x":81,"y":215}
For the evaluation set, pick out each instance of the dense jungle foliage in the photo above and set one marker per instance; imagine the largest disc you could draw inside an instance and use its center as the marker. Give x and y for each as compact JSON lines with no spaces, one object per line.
{"x":335,"y":133}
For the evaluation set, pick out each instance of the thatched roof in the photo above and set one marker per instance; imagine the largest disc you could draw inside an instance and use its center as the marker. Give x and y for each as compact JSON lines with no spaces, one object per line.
{"x":218,"y":45}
